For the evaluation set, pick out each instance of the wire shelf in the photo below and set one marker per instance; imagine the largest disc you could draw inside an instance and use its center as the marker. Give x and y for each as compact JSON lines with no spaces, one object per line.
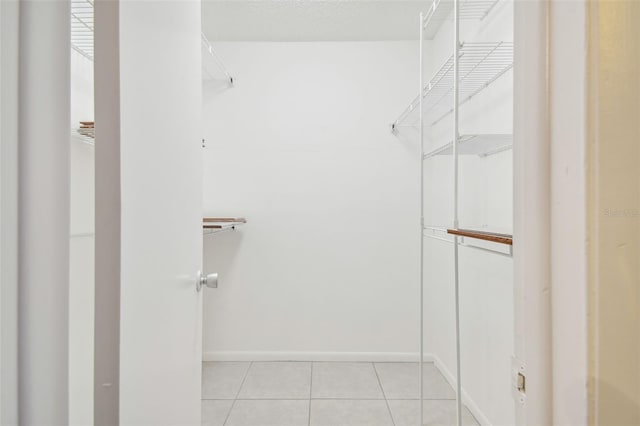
{"x":82,"y":27}
{"x":442,"y":234}
{"x":441,"y":9}
{"x":210,"y":61}
{"x":482,"y":145}
{"x":480,"y":64}
{"x":213,"y":225}
{"x":84,"y":135}
{"x":437,"y":233}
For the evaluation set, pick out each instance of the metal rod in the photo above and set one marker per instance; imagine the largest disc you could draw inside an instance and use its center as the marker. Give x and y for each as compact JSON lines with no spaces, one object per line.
{"x":456,"y":89}
{"x":430,"y":13}
{"x":421,"y":362}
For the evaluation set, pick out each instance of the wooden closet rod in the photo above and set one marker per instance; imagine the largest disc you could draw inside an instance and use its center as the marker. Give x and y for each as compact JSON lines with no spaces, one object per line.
{"x":486,"y":236}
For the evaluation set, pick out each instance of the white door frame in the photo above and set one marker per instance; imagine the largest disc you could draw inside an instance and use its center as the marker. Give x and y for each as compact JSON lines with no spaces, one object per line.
{"x":9,"y":213}
{"x":531,"y":234}
{"x":568,"y":25}
{"x":107,"y":214}
{"x":533,"y":180}
{"x":549,"y":208}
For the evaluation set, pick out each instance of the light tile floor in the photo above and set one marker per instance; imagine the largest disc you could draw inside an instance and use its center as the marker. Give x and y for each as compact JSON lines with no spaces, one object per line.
{"x":325,"y":394}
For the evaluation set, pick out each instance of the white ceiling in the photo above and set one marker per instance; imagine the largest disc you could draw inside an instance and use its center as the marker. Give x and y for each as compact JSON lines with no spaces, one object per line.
{"x":311,"y":20}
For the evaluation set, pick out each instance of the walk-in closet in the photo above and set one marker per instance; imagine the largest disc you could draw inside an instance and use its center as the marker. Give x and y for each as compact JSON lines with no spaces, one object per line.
{"x":356,"y":215}
{"x":379,"y":217}
{"x":319,"y":212}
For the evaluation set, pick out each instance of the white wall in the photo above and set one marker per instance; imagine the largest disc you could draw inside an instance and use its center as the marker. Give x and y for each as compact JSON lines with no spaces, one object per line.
{"x":485,"y":201}
{"x":327,"y":265}
{"x":81,"y":256}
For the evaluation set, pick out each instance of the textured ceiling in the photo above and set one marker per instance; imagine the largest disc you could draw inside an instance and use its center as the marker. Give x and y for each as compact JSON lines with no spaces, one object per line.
{"x":311,"y":20}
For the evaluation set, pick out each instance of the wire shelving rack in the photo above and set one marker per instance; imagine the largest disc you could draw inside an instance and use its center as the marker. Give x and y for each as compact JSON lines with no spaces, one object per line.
{"x":481,"y":145}
{"x":82,"y":27}
{"x":84,"y":136}
{"x":479,"y":64}
{"x":440,"y":10}
{"x":471,"y":68}
{"x":82,"y":30}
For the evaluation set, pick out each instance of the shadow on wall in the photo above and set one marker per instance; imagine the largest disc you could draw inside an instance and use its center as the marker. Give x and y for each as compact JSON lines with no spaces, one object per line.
{"x":614,"y":404}
{"x":214,"y":87}
{"x":409,"y":138}
{"x":220,"y":251}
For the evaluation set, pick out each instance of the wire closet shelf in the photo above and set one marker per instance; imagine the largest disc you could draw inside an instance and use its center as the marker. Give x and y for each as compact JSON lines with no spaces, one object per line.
{"x":82,"y":30}
{"x":86,"y":136}
{"x":440,"y":11}
{"x":82,"y":27}
{"x":480,"y":64}
{"x":214,"y":225}
{"x":482,"y":145}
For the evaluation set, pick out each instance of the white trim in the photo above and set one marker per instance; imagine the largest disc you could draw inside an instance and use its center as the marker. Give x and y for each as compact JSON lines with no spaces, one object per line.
{"x":83,"y":235}
{"x":466,"y":398}
{"x":106,"y":392}
{"x":43,"y":245}
{"x":313,"y":356}
{"x":9,"y":18}
{"x":568,"y":132}
{"x":532,"y":206}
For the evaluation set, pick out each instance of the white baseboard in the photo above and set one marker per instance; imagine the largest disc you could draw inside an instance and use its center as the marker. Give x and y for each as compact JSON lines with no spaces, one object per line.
{"x":310,"y":356}
{"x":466,"y":399}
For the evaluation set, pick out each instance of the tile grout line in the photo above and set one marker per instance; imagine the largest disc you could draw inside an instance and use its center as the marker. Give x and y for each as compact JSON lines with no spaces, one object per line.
{"x":310,"y":393}
{"x":393,"y":422}
{"x":324,"y":399}
{"x":234,"y":399}
{"x":233,"y":404}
